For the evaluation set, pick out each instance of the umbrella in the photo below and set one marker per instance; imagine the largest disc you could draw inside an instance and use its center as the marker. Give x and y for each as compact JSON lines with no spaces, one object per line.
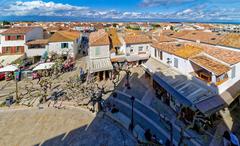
{"x":44,"y":66}
{"x":234,"y":139}
{"x":8,"y":68}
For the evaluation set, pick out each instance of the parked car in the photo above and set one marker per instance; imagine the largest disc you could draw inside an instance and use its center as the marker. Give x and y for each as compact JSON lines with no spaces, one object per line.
{"x":2,"y":75}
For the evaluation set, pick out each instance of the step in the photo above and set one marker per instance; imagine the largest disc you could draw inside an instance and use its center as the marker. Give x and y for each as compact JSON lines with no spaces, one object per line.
{"x":120,"y":118}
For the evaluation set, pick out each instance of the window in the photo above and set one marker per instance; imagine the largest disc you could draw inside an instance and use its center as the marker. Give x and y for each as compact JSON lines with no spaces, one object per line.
{"x":160,"y":55}
{"x":7,"y":49}
{"x":140,"y":49}
{"x":97,"y":52}
{"x":9,"y":37}
{"x":176,"y":62}
{"x":17,"y":49}
{"x":18,"y":37}
{"x":233,"y":72}
{"x":64,"y":45}
{"x":147,"y":48}
{"x":131,"y":50}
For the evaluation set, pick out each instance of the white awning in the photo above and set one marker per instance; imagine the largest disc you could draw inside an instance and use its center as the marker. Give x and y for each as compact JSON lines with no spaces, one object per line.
{"x":96,"y":65}
{"x":44,"y":66}
{"x":8,"y":68}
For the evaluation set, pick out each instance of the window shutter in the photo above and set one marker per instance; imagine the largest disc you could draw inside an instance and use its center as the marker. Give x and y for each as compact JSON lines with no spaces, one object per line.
{"x":233,"y":72}
{"x":12,"y":50}
{"x":13,"y":37}
{"x":22,"y":49}
{"x":22,"y":37}
{"x":3,"y":50}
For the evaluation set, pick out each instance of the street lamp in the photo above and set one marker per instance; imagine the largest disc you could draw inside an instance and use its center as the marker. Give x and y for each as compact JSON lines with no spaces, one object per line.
{"x":131,"y":126}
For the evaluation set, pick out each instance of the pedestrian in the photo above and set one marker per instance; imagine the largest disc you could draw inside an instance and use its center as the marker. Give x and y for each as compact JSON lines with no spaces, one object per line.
{"x":39,"y":78}
{"x":148,"y":135}
{"x":81,"y":73}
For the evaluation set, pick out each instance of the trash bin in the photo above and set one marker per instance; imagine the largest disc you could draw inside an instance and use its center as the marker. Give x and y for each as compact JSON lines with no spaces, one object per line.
{"x":9,"y":100}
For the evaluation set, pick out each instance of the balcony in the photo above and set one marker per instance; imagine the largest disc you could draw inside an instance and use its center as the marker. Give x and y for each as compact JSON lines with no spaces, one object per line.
{"x":210,"y":79}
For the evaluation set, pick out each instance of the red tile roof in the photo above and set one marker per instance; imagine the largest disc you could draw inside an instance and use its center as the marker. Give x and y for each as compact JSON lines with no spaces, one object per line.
{"x":38,"y":42}
{"x":62,"y":36}
{"x":17,"y":30}
{"x":186,"y":50}
{"x":137,"y":39}
{"x":179,"y":49}
{"x":211,"y":65}
{"x":99,"y":38}
{"x":228,"y":56}
{"x":231,"y":40}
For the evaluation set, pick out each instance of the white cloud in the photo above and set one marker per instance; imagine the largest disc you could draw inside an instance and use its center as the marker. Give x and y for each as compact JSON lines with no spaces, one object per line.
{"x":152,"y":3}
{"x":41,"y":8}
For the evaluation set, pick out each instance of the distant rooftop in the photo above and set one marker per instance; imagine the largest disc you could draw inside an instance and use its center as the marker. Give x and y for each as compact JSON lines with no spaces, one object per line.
{"x":17,"y":30}
{"x":136,"y":39}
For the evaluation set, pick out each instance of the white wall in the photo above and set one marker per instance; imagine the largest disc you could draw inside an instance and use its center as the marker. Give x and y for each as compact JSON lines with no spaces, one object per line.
{"x":56,"y":48}
{"x":184,"y":65}
{"x":104,"y":52}
{"x":35,"y":52}
{"x":231,"y":81}
{"x":35,"y":33}
{"x":135,"y":47}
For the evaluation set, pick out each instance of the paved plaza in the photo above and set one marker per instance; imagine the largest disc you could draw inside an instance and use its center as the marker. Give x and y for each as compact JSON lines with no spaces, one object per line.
{"x":59,"y":127}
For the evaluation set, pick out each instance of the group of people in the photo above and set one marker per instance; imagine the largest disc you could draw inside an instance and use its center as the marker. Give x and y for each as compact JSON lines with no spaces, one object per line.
{"x":152,"y":137}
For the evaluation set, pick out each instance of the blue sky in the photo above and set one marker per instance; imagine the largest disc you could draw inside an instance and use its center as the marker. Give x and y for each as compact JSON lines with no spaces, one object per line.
{"x":179,"y":10}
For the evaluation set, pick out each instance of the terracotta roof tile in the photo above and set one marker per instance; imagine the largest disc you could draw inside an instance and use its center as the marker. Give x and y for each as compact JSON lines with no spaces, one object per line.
{"x":206,"y":37}
{"x":37,"y":42}
{"x":99,"y":38}
{"x":17,"y":30}
{"x":186,"y":50}
{"x":228,"y":56}
{"x":64,"y":36}
{"x":115,"y":41}
{"x":231,"y":40}
{"x":167,"y":47}
{"x":163,"y":38}
{"x":179,"y":49}
{"x":211,"y":65}
{"x":137,"y":39}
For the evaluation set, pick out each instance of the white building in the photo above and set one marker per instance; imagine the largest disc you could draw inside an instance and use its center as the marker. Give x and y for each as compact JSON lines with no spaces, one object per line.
{"x":194,"y":75}
{"x":13,"y":40}
{"x":65,"y":43}
{"x":137,"y":47}
{"x":37,"y":48}
{"x":99,"y":54}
